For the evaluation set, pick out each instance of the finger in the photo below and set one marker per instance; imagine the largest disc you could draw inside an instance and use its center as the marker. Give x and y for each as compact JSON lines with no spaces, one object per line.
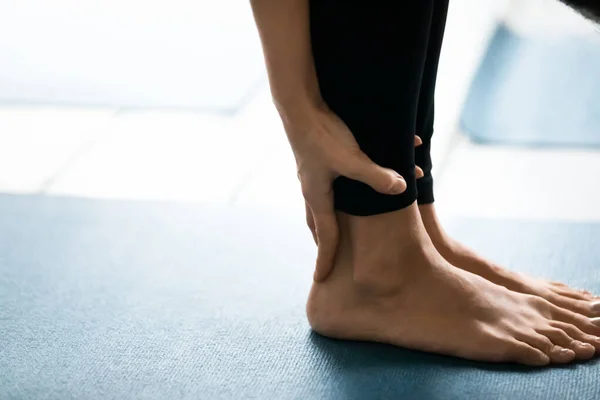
{"x":383,"y":180}
{"x":327,"y":237}
{"x":326,"y":228}
{"x":418,"y":141}
{"x":310,"y":221}
{"x":419,"y":172}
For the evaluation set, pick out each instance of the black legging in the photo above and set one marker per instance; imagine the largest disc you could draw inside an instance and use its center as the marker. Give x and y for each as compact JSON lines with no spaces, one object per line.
{"x":377,"y":66}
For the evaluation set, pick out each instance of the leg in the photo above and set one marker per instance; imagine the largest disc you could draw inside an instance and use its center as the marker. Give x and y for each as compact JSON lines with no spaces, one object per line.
{"x":588,"y":8}
{"x":425,"y":115}
{"x":389,"y":283}
{"x":369,"y":64}
{"x":456,"y":253}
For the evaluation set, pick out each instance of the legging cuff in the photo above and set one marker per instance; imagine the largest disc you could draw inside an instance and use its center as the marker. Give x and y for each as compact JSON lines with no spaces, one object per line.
{"x":360,"y":200}
{"x":425,"y":190}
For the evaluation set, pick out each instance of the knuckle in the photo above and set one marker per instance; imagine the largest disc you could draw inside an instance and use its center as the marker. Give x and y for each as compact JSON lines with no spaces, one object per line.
{"x":560,"y":333}
{"x":389,"y":184}
{"x":541,"y":304}
{"x":547,"y":343}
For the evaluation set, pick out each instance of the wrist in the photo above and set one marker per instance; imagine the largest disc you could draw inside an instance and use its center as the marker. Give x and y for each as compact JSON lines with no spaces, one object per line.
{"x":298,"y":110}
{"x":296,"y":99}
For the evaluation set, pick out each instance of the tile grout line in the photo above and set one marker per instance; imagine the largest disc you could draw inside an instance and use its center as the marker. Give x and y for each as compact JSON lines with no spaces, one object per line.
{"x":246,"y":177}
{"x":48,"y":182}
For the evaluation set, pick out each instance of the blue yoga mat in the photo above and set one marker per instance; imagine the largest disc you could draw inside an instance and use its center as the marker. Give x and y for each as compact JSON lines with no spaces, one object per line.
{"x":536,"y":92}
{"x":127,"y":300}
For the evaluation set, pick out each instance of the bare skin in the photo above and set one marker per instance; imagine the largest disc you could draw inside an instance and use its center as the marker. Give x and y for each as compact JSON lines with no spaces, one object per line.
{"x":323,"y":146}
{"x":461,"y":256}
{"x":410,"y":296}
{"x":406,"y":295}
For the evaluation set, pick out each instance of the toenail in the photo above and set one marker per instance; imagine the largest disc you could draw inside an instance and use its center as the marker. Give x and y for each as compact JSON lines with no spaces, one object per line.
{"x":560,"y":350}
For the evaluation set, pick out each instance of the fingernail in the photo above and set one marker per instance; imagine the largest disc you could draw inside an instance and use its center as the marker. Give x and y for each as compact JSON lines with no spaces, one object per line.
{"x":595,"y":321}
{"x":596,"y":306}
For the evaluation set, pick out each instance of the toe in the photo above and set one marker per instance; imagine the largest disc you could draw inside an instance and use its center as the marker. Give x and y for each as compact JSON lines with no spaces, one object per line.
{"x":560,"y":355}
{"x":583,"y":351}
{"x":595,"y":306}
{"x":576,"y":333}
{"x":526,"y":354}
{"x":559,"y":337}
{"x":590,"y":326}
{"x":583,"y":307}
{"x":564,"y":290}
{"x":556,"y":353}
{"x":572,"y":294}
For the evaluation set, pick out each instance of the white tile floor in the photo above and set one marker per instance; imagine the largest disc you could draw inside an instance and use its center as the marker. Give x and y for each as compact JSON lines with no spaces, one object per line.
{"x":168,"y":156}
{"x":504,"y":182}
{"x":245,"y":159}
{"x":36,"y":144}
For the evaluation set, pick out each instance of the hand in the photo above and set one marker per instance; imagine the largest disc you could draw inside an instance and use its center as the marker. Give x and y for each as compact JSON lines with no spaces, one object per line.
{"x":327,"y":249}
{"x":324,"y":149}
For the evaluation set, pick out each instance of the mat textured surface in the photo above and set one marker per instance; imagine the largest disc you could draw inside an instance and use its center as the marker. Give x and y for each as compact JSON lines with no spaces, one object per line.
{"x":536,"y":92}
{"x":124,"y":300}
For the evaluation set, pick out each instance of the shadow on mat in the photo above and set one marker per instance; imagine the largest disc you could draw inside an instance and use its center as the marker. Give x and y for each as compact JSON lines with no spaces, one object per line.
{"x":352,"y":355}
{"x":371,"y":370}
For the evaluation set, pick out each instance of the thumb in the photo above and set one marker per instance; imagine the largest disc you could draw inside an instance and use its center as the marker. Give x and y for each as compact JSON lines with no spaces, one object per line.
{"x":383,"y":180}
{"x":327,"y":236}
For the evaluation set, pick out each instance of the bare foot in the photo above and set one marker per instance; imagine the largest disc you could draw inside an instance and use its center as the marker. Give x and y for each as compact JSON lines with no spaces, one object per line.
{"x":461,"y":256}
{"x":409,"y":296}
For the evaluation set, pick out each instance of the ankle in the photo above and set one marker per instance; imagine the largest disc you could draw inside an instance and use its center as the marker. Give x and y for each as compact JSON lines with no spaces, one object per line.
{"x":388,"y":269}
{"x":432,"y":224}
{"x":384,"y":261}
{"x":379,"y":253}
